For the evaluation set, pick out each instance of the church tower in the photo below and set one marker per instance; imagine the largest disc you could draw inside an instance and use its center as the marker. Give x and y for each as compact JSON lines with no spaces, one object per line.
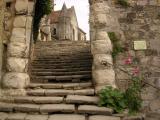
{"x":64,"y":26}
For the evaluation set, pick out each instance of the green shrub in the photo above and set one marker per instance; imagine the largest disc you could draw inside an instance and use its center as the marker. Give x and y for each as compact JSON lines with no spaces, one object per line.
{"x":120,"y":101}
{"x":133,"y":97}
{"x":112,"y":98}
{"x":123,"y":3}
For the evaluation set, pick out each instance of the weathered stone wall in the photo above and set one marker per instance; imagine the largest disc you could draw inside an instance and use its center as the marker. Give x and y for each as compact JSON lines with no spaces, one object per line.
{"x":16,"y":78}
{"x":139,"y":22}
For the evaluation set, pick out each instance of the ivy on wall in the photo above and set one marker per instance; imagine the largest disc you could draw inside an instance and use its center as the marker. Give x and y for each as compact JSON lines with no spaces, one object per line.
{"x":123,"y":3}
{"x":117,"y":48}
{"x":42,"y":7}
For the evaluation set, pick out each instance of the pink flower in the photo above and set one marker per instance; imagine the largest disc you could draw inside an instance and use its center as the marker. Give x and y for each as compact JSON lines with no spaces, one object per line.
{"x":128,"y":60}
{"x":136,"y":71}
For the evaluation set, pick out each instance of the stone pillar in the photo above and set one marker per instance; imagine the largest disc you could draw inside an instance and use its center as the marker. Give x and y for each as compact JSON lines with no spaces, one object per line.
{"x":101,"y":47}
{"x":17,"y":77}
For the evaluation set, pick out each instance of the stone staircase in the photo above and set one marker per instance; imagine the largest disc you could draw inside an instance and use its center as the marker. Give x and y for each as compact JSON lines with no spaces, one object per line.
{"x":61,"y":86}
{"x":65,"y":61}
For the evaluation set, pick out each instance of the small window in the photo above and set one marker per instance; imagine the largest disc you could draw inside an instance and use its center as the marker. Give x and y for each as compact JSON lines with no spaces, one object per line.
{"x":54,"y":31}
{"x":8,"y":4}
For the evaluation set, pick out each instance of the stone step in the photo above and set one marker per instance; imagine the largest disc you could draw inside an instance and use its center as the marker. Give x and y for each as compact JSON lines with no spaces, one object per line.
{"x":70,"y":99}
{"x":62,"y":61}
{"x":60,"y":92}
{"x":61,"y":85}
{"x":61,"y":66}
{"x":55,"y":108}
{"x":60,"y":69}
{"x":61,"y":73}
{"x":92,"y":109}
{"x":64,"y":78}
{"x":27,"y":116}
{"x":67,"y":117}
{"x":35,"y":108}
{"x":83,"y":56}
{"x":45,"y":81}
{"x":104,"y":117}
{"x":33,"y":100}
{"x":79,"y":99}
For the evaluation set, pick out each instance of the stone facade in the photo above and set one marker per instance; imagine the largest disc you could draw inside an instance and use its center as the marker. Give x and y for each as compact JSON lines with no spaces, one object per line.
{"x":81,"y":35}
{"x":64,"y":24}
{"x":136,"y":26}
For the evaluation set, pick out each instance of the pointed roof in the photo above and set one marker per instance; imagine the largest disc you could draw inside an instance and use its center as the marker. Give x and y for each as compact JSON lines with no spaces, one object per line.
{"x":64,"y":7}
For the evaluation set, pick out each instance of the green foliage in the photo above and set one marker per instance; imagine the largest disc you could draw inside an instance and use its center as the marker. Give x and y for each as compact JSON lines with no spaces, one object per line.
{"x":112,"y":98}
{"x":119,"y":101}
{"x":133,"y":97}
{"x":116,"y":46}
{"x":43,"y":7}
{"x":123,"y":3}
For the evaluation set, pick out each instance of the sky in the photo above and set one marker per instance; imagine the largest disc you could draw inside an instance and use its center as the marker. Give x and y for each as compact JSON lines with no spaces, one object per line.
{"x":82,"y":12}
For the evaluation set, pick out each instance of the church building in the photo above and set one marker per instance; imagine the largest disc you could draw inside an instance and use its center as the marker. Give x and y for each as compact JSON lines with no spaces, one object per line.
{"x":64,"y":25}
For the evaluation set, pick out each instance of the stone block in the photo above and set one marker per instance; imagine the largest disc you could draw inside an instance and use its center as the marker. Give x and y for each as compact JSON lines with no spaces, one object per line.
{"x":17,"y":39}
{"x":155,"y":105}
{"x":16,"y":116}
{"x":105,"y":77}
{"x":149,"y":93}
{"x":102,"y":35}
{"x":15,"y":80}
{"x":47,"y":100}
{"x":91,"y":109}
{"x":21,"y":6}
{"x":58,"y":92}
{"x":102,"y":61}
{"x":84,"y":92}
{"x":17,"y":64}
{"x":18,"y":32}
{"x":101,"y":46}
{"x":66,"y":117}
{"x":5,"y":107}
{"x":82,"y":99}
{"x":101,"y":19}
{"x":102,"y":117}
{"x":23,"y":99}
{"x":57,"y":108}
{"x":36,"y":92}
{"x":29,"y":22}
{"x":30,"y":7}
{"x":17,"y":50}
{"x":3,"y":116}
{"x":36,"y":117}
{"x":26,"y":108}
{"x":101,"y":8}
{"x":20,"y":21}
{"x":157,"y":83}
